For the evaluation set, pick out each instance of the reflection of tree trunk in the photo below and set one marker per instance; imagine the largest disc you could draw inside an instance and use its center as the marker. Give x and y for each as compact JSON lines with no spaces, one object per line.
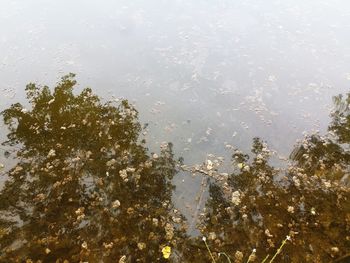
{"x":199,"y":203}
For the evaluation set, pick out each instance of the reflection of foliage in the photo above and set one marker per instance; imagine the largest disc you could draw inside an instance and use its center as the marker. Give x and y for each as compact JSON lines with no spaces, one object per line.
{"x":329,"y":156}
{"x":85,"y":188}
{"x":262,"y":211}
{"x":341,"y":119}
{"x":257,"y":206}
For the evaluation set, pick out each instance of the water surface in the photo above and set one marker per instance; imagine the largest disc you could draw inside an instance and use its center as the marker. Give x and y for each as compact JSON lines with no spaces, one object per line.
{"x":203,"y":75}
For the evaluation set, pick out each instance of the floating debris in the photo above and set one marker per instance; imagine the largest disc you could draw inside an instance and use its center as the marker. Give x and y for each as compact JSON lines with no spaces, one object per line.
{"x":116,"y":204}
{"x":236,"y":198}
{"x":52,"y":153}
{"x":141,"y":245}
{"x":166,"y":252}
{"x":84,"y":245}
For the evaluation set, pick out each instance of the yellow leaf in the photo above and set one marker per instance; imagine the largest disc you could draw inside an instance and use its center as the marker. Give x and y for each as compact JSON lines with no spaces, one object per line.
{"x":166,"y":252}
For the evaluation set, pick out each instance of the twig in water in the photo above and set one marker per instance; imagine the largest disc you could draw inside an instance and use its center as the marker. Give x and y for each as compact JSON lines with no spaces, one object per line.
{"x":265,"y":258}
{"x":224,"y":254}
{"x":280,"y":248}
{"x":251,"y":255}
{"x":211,"y":255}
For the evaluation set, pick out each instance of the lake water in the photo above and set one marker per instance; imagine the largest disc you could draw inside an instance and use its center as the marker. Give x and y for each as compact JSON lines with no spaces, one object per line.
{"x":203,"y":74}
{"x":193,"y":67}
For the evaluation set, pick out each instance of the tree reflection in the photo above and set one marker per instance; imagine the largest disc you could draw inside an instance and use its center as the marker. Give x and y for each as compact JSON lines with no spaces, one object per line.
{"x":258,"y":205}
{"x":328,"y":156}
{"x":85,"y":188}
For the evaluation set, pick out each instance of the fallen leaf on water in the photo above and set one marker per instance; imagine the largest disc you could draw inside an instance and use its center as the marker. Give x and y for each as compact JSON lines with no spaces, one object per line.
{"x":166,"y":252}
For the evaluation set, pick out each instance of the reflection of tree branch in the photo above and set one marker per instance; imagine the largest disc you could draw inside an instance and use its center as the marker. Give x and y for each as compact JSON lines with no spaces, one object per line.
{"x":199,"y":203}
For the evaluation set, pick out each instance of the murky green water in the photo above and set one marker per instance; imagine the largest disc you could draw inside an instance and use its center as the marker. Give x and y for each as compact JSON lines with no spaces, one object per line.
{"x":89,"y":174}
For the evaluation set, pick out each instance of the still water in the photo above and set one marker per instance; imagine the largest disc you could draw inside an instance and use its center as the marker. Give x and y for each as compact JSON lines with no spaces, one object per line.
{"x":207,"y":76}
